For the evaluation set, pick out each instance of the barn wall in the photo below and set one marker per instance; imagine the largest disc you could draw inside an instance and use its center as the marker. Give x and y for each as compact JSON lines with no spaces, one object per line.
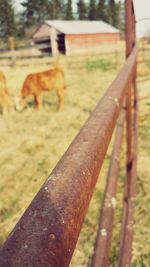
{"x":89,"y":42}
{"x":42,"y":32}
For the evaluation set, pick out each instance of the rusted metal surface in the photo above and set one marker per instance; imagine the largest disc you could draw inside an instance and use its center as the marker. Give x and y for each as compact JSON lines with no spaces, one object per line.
{"x":129,"y":45}
{"x":129,"y":129}
{"x":126,"y":254}
{"x":132,"y":134}
{"x":47,"y":233}
{"x":103,"y":242}
{"x":130,"y":42}
{"x":127,"y":238}
{"x":135,"y":120}
{"x":129,"y":27}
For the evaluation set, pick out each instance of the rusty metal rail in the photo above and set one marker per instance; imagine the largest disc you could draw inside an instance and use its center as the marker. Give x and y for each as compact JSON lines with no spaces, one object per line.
{"x":132,"y":138}
{"x":103,"y":242}
{"x":47,"y":233}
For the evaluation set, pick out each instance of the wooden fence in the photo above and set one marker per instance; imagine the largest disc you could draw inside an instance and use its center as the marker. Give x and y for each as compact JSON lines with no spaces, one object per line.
{"x":47,"y":233}
{"x":8,"y":59}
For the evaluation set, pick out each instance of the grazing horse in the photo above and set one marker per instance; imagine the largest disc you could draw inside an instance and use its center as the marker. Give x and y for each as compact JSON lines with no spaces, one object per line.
{"x":35,"y":84}
{"x":4,"y":95}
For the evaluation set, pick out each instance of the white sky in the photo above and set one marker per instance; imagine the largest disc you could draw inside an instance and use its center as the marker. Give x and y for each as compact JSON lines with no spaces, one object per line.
{"x":142,"y":10}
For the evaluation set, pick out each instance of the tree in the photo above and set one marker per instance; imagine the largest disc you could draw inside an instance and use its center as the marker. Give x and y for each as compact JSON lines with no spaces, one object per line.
{"x":102,"y":10}
{"x":69,"y":12}
{"x":7,"y":19}
{"x":82,"y":10}
{"x":113,"y":13}
{"x":108,"y":10}
{"x":92,"y":10}
{"x":29,"y":13}
{"x":56,"y":9}
{"x":121,"y":16}
{"x":36,"y":11}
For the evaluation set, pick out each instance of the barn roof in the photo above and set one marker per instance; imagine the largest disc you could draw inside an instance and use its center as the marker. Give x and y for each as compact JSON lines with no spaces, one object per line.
{"x":81,"y":27}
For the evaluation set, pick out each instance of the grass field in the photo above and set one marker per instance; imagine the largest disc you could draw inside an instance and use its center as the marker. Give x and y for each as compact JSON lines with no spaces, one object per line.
{"x":32,"y":142}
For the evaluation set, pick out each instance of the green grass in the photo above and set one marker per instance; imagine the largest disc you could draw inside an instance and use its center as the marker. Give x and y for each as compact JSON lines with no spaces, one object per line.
{"x":102,"y":64}
{"x":32,"y":142}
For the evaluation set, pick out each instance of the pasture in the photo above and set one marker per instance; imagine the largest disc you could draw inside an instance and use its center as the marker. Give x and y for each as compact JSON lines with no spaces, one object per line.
{"x":33,"y":141}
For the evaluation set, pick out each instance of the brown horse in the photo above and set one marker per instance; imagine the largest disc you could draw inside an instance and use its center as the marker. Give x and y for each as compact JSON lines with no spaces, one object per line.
{"x":36,"y":83}
{"x":4,"y":95}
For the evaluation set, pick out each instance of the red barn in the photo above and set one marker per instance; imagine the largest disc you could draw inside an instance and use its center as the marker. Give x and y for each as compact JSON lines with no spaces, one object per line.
{"x":74,"y":37}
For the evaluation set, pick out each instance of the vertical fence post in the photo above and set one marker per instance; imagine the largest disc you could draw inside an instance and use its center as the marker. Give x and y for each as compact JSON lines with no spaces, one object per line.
{"x":53,"y":38}
{"x":129,"y":195}
{"x":129,"y":46}
{"x":12,"y":44}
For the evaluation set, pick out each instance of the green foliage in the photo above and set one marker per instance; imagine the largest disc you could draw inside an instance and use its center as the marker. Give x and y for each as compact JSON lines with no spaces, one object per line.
{"x":55,"y":9}
{"x":82,"y":10}
{"x":101,"y":64}
{"x":36,"y":11}
{"x":92,"y":10}
{"x":29,"y":12}
{"x":101,"y":10}
{"x":121,"y":11}
{"x":7,"y":19}
{"x":111,"y":12}
{"x":69,"y":12}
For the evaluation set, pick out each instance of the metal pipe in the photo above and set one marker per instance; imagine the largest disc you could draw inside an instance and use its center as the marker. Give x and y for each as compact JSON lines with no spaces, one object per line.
{"x":103,"y":242}
{"x":129,"y":194}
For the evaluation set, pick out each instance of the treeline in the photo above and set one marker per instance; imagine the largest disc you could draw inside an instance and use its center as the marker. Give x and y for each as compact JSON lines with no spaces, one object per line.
{"x":18,"y":24}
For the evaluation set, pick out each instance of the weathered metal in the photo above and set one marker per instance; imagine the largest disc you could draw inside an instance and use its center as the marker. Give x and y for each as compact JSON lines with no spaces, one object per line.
{"x":130,"y":42}
{"x":47,"y":233}
{"x":103,"y":242}
{"x":132,"y":134}
{"x":127,"y":238}
{"x":129,"y":27}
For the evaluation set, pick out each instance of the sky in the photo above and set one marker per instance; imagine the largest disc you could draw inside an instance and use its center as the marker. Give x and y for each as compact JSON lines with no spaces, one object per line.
{"x":142,"y":11}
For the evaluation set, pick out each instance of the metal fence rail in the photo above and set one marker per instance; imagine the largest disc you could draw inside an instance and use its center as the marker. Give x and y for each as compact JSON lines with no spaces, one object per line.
{"x":47,"y":233}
